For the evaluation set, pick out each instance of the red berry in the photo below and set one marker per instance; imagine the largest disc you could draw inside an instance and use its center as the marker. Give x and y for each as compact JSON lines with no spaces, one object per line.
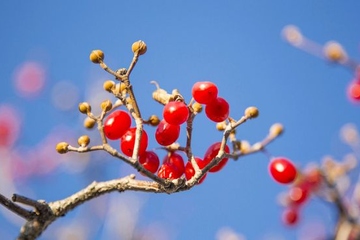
{"x":166,"y":133}
{"x":211,"y":153}
{"x":298,"y":194}
{"x":116,"y":124}
{"x":175,"y":159}
{"x":190,"y":171}
{"x":150,"y":161}
{"x":217,"y":110}
{"x":127,"y":142}
{"x":290,"y":216}
{"x":282,"y":170}
{"x":204,"y":92}
{"x":354,"y":91}
{"x":168,"y":170}
{"x":176,"y":112}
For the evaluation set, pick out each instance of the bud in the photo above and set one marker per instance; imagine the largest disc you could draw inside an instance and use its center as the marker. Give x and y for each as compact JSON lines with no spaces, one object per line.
{"x":108,"y":85}
{"x":139,"y":47}
{"x":221,"y":126}
{"x":97,"y":56}
{"x":106,"y":105}
{"x":84,"y":107}
{"x":334,"y":51}
{"x":62,"y":147}
{"x":276,"y":129}
{"x":251,"y":112}
{"x":197,"y":107}
{"x":83,"y":141}
{"x":153,"y":120}
{"x":89,"y":123}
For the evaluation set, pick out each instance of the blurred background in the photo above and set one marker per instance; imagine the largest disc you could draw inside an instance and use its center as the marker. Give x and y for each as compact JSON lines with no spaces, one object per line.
{"x":45,"y":72}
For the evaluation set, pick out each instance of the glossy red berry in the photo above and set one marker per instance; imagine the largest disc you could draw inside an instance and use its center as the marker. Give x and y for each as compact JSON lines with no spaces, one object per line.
{"x":204,"y":92}
{"x":116,"y":124}
{"x":166,"y":133}
{"x":168,"y":170}
{"x":176,"y":159}
{"x":282,"y":170}
{"x":290,"y":216}
{"x":217,"y":110}
{"x":211,"y":153}
{"x":150,"y":161}
{"x":190,"y":171}
{"x":176,"y":112}
{"x":127,"y":142}
{"x":354,"y":91}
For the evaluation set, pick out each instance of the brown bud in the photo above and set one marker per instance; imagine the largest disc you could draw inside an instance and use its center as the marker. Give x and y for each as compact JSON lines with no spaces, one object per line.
{"x":83,"y":141}
{"x":139,"y":47}
{"x":62,"y":147}
{"x":251,"y":112}
{"x":84,"y":107}
{"x":89,"y":123}
{"x":109,"y":85}
{"x":221,"y":126}
{"x":197,"y":107}
{"x":97,"y":56}
{"x":106,"y":105}
{"x":153,"y":120}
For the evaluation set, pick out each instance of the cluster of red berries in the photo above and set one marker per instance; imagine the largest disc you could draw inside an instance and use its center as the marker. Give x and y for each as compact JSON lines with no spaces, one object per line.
{"x":117,"y":125}
{"x":283,"y":171}
{"x":216,"y":108}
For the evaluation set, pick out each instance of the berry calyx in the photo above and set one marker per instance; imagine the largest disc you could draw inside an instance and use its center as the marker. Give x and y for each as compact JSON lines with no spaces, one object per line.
{"x":282,"y":170}
{"x":211,"y":153}
{"x":127,"y":142}
{"x":190,"y":171}
{"x":150,"y":161}
{"x":217,"y":110}
{"x":116,"y":124}
{"x":204,"y":92}
{"x":166,"y":133}
{"x":175,"y":112}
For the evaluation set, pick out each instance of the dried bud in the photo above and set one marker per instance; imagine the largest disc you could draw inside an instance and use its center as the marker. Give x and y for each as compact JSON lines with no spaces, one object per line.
{"x":139,"y":47}
{"x":83,"y":141}
{"x":221,"y":126}
{"x":62,"y":147}
{"x":276,"y":129}
{"x":251,"y":112}
{"x":97,"y":56}
{"x":334,"y":51}
{"x":160,"y":95}
{"x":84,"y":107}
{"x":106,"y":105}
{"x":89,"y":123}
{"x":109,"y":85}
{"x":153,"y":120}
{"x":197,"y":107}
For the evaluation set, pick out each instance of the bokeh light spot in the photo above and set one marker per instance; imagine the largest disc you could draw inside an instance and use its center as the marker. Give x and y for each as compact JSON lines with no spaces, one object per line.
{"x":29,"y":79}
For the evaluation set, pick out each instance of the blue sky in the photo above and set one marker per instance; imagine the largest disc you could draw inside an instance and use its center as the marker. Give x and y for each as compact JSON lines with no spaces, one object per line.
{"x":237,"y":45}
